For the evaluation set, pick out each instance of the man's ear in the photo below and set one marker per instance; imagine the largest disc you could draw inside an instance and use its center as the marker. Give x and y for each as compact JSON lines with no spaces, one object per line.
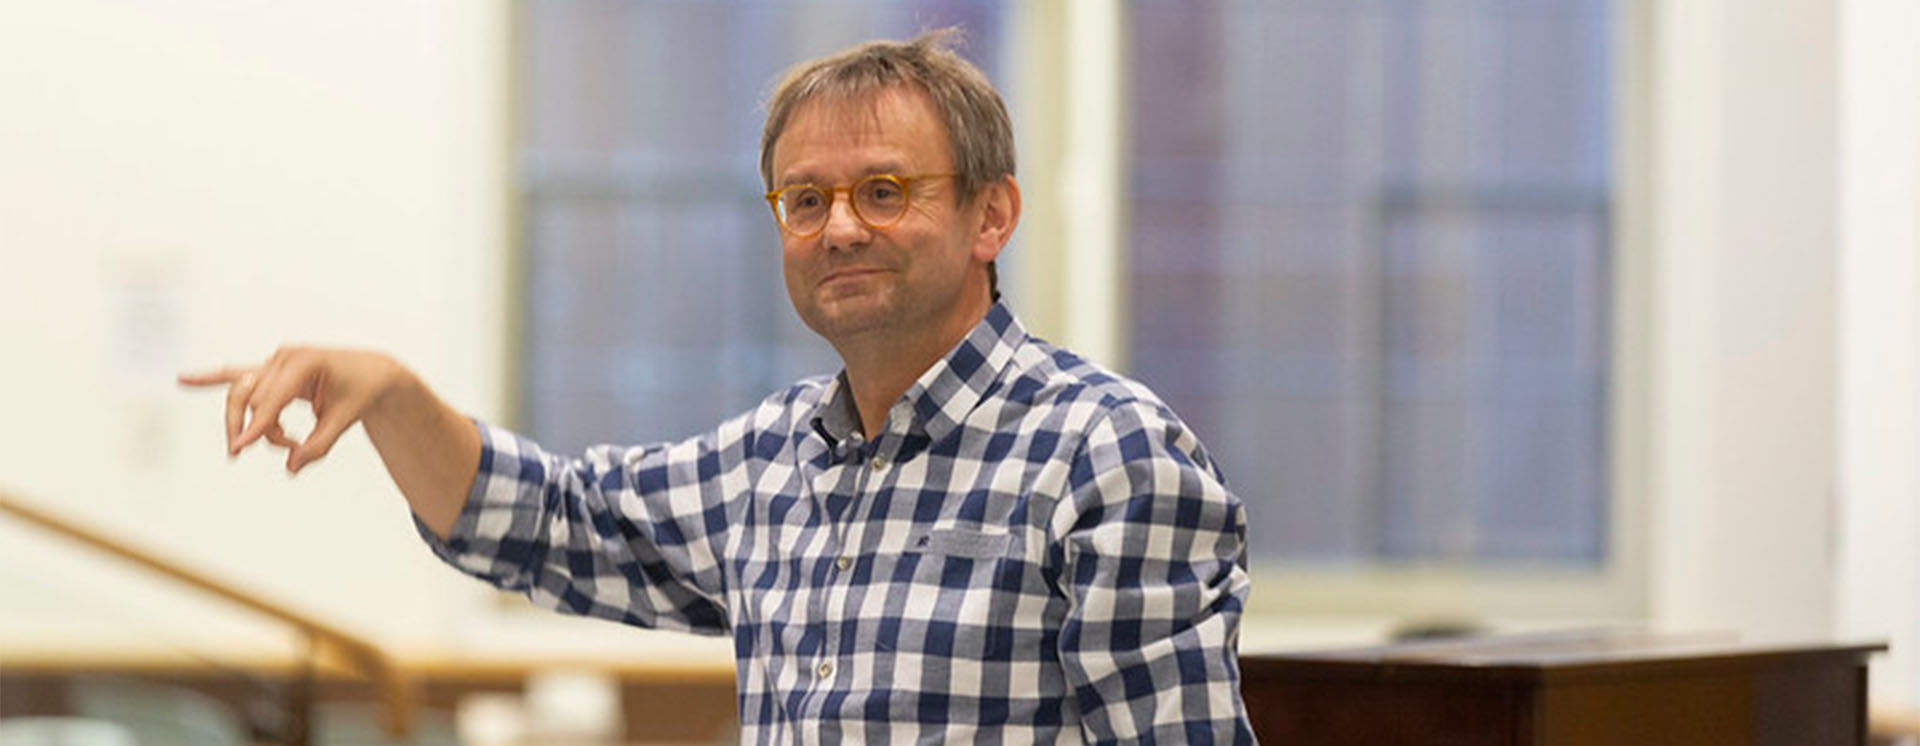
{"x":999,"y":204}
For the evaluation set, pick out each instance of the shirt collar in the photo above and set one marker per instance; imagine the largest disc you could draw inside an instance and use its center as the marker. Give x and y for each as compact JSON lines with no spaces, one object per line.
{"x":947,"y":392}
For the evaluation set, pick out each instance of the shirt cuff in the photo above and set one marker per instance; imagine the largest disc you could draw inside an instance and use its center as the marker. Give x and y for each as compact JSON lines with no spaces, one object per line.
{"x":487,"y":514}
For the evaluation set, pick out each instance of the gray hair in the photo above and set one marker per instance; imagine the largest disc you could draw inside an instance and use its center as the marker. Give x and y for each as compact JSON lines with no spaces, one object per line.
{"x":978,"y":130}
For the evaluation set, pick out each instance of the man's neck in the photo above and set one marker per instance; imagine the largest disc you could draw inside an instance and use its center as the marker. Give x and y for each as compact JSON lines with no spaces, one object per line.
{"x":883,"y":364}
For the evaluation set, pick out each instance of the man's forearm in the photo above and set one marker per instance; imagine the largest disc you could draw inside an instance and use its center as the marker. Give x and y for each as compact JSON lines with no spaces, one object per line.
{"x":431,"y":451}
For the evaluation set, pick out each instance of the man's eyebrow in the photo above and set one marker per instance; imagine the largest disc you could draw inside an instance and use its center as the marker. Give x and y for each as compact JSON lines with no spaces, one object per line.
{"x":890,"y":167}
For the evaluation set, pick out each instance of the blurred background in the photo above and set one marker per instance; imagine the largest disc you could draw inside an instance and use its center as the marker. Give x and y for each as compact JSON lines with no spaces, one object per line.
{"x":1498,"y":315}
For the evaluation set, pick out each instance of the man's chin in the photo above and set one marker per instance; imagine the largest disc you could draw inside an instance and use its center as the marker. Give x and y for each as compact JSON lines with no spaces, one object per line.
{"x":846,"y":316}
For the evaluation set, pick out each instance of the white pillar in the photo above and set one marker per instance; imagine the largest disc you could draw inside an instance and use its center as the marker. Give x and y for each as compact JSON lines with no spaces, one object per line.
{"x":1878,"y":565}
{"x":1742,"y":403}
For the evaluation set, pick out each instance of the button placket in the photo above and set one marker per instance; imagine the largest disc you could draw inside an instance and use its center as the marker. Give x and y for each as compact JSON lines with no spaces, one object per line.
{"x":862,"y":484}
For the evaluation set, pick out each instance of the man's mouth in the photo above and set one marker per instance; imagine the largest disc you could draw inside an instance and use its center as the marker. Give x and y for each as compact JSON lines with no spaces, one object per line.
{"x":849,"y":273}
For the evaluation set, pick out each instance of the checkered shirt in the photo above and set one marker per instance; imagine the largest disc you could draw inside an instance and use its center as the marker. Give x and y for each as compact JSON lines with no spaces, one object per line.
{"x":1033,"y":550}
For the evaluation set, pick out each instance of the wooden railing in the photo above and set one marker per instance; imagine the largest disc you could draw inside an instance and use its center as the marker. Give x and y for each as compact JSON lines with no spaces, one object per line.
{"x":395,"y":686}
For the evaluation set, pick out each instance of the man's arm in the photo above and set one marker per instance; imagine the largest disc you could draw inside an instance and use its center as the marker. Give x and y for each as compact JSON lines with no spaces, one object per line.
{"x":630,"y":535}
{"x":1153,"y":552}
{"x":431,"y":451}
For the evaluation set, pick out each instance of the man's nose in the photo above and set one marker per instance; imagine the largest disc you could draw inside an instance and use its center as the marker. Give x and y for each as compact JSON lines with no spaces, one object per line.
{"x":844,"y":228}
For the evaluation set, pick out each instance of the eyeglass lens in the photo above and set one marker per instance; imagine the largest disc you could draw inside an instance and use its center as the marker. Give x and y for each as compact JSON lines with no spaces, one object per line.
{"x":877,"y":201}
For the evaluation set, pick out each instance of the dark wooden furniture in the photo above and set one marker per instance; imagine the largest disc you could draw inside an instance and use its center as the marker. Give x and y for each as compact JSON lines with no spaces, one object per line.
{"x":1571,"y":689}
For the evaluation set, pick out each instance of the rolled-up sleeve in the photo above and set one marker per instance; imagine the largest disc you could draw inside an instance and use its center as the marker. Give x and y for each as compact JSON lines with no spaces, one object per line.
{"x":1152,"y":550}
{"x":626,"y":534}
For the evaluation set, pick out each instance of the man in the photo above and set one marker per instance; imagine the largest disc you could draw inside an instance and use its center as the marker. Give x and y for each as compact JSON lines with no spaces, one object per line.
{"x":967,"y":535}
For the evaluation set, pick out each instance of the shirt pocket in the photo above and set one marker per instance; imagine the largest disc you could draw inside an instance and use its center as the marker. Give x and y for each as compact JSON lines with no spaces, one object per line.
{"x":963,"y":542}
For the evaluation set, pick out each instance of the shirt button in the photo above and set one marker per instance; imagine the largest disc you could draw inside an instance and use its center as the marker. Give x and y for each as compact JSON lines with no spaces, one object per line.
{"x":825,"y":669}
{"x":844,"y":563}
{"x":879,"y":463}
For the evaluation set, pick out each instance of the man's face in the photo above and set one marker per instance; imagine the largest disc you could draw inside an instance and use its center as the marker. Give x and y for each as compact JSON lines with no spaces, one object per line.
{"x":851,"y":279}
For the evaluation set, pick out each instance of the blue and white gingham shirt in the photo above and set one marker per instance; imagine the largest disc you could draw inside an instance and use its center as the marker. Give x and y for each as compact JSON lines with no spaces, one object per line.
{"x":1033,"y":550}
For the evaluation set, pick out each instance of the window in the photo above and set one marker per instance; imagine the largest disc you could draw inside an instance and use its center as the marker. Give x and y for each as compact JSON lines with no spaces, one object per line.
{"x":1369,"y":263}
{"x":1368,"y":245}
{"x":654,"y":304}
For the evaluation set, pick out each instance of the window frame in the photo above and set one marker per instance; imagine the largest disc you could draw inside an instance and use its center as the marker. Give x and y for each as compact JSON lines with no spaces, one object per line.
{"x":1079,"y":135}
{"x":1068,"y":63}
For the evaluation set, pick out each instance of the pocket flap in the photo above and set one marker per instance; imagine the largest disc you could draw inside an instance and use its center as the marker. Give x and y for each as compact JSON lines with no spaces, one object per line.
{"x":960,"y":542}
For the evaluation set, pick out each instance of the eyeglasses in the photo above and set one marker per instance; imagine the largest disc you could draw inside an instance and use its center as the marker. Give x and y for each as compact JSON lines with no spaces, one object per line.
{"x":878,"y":201}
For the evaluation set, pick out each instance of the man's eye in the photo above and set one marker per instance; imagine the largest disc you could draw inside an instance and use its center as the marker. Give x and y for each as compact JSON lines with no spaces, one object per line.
{"x":807,"y":200}
{"x":883,"y":192}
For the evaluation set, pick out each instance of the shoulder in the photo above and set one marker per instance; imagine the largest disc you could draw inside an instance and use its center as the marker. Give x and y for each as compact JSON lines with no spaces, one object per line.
{"x":1110,"y":416}
{"x":1046,"y":375}
{"x":780,"y":409}
{"x":1130,"y":460}
{"x":763,"y":431}
{"x":804,"y":395}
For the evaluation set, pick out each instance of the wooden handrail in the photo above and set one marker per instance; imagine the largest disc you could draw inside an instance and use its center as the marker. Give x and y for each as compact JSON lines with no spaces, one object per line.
{"x":393,"y":683}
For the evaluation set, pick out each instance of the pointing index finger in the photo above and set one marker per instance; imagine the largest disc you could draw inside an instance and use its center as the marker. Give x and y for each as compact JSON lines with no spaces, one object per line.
{"x":207,"y":378}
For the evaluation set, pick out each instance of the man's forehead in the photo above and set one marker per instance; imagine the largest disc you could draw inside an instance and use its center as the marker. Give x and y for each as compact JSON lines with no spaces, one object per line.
{"x":868,"y":109}
{"x":899,"y":116}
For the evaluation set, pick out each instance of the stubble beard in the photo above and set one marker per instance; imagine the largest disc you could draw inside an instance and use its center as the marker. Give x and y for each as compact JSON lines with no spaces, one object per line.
{"x":849,"y":317}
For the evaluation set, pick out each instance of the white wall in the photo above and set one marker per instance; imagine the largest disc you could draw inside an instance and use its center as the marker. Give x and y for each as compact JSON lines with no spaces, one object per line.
{"x":1878,"y":565}
{"x":190,"y":183}
{"x":1780,"y":207}
{"x":1742,"y":220}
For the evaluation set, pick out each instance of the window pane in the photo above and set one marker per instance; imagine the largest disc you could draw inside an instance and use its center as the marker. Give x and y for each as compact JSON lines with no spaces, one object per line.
{"x":1369,"y":263}
{"x":654,"y":304}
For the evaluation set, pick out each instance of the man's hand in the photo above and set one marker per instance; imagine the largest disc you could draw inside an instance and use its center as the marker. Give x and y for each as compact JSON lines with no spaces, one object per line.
{"x":431,"y":451}
{"x":341,"y":386}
